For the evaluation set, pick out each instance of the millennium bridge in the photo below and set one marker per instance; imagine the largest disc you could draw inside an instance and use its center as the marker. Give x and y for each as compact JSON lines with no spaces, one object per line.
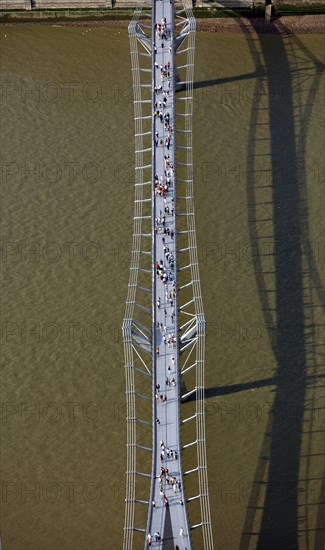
{"x":164,"y":328}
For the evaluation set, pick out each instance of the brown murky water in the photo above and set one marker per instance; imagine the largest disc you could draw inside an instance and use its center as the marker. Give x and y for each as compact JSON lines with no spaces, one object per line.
{"x":67,"y":209}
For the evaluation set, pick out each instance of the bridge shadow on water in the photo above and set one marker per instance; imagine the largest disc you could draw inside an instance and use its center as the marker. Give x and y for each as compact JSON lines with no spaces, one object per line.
{"x":296,"y":283}
{"x":296,"y":279}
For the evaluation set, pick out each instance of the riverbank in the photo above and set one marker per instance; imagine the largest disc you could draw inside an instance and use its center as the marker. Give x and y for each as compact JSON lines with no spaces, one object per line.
{"x":291,"y":18}
{"x":293,"y":24}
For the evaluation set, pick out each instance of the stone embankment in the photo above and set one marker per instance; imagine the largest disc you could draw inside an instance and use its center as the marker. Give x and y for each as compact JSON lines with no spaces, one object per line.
{"x":109,"y":4}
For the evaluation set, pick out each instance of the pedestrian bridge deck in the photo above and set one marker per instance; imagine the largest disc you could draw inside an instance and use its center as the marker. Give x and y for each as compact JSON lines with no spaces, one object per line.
{"x":172,"y":526}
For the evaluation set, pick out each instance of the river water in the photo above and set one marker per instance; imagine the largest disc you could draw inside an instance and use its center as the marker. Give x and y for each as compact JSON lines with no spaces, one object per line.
{"x":67,"y":208}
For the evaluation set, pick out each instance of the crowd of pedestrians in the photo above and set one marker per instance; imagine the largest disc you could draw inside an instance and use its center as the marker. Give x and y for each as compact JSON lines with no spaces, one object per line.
{"x":169,"y":486}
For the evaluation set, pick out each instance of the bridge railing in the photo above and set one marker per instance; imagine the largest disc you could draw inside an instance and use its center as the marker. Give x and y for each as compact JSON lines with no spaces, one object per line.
{"x":136,"y":330}
{"x":194,"y":331}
